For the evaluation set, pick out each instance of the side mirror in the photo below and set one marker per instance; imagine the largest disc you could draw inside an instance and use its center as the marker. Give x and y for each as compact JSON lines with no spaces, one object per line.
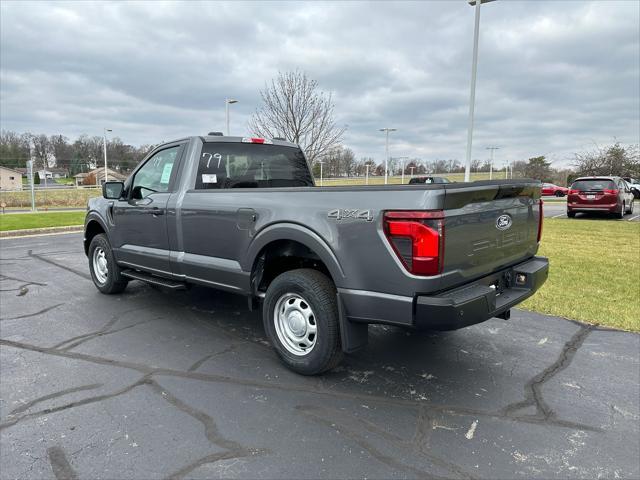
{"x":112,"y":190}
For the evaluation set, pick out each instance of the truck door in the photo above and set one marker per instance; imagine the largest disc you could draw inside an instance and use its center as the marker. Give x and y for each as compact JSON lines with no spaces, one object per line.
{"x":140,"y":219}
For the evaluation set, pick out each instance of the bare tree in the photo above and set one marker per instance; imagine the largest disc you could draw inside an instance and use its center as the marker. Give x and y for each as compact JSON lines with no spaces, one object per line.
{"x":42,"y":150}
{"x":295,"y":109}
{"x":612,"y":160}
{"x":14,"y":149}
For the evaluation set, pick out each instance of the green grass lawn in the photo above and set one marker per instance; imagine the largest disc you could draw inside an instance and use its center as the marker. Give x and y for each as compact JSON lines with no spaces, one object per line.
{"x":20,"y":221}
{"x":594,"y":272}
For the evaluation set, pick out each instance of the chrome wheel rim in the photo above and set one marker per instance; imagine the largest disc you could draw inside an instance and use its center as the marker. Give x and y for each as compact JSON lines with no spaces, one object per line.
{"x":100,"y":268}
{"x":295,"y":324}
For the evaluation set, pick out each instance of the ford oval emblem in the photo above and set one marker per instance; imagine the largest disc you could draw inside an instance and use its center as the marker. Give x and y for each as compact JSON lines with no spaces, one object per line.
{"x":503,"y":222}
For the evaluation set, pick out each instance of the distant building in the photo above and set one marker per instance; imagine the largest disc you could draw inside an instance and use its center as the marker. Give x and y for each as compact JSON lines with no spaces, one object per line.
{"x":53,"y":173}
{"x":10,"y":179}
{"x":99,"y":176}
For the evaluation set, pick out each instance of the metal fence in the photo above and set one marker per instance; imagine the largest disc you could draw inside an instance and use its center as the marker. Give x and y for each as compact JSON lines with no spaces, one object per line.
{"x":50,"y":197}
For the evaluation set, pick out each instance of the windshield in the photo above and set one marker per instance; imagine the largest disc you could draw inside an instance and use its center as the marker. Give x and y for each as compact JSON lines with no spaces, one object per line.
{"x":251,"y":165}
{"x":594,"y":184}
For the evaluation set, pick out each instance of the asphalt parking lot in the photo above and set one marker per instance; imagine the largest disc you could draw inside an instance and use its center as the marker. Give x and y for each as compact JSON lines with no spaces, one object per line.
{"x":154,"y":384}
{"x":557,"y":208}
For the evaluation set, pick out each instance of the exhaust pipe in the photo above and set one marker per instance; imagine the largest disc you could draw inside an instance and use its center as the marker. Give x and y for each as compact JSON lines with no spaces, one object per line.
{"x":506,"y":315}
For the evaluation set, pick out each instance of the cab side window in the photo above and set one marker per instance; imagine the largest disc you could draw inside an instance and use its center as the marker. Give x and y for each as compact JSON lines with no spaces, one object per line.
{"x":155,"y":175}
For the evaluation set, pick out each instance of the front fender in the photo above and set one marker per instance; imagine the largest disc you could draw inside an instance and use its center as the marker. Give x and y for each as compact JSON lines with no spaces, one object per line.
{"x":93,"y":217}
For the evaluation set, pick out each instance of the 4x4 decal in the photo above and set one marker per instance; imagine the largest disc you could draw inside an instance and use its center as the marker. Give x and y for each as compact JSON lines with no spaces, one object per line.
{"x":346,"y":213}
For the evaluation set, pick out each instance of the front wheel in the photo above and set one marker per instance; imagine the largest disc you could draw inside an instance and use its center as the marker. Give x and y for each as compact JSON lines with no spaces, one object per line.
{"x":630,"y":211}
{"x":105,"y":272}
{"x":300,"y":316}
{"x":622,"y":211}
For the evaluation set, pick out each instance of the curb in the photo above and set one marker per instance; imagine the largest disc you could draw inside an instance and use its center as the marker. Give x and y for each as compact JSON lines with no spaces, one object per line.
{"x":41,"y":231}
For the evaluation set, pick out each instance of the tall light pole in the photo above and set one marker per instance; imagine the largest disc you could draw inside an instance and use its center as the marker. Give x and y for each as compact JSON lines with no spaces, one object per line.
{"x":321,"y":163}
{"x":227,"y":102}
{"x":30,"y":173}
{"x":493,"y":149}
{"x":367,"y":167}
{"x":104,"y":138}
{"x":472,"y":94}
{"x":386,"y":156}
{"x":403,"y":160}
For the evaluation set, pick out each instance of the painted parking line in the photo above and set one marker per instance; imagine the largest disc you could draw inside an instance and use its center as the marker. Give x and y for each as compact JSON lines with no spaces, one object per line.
{"x":633,"y":218}
{"x":560,"y":215}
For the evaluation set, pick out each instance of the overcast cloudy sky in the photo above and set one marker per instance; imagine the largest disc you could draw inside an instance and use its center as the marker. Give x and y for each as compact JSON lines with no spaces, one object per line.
{"x":554,"y":76}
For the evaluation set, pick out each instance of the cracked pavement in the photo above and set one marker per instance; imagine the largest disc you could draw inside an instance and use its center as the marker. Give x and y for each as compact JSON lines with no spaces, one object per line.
{"x":156,"y":384}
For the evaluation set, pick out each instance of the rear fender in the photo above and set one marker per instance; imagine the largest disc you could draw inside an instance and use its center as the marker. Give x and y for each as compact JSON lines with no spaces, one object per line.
{"x":300,"y":234}
{"x":353,"y":335}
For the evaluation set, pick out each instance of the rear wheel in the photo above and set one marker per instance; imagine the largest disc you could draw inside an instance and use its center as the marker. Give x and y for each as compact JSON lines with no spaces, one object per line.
{"x":105,"y":272}
{"x":559,"y":193}
{"x":300,"y":315}
{"x":571,"y":214}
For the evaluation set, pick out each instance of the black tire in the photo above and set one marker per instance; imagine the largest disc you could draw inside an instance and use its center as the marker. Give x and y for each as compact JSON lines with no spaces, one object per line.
{"x":559,"y":193}
{"x":114,"y":282}
{"x":571,"y":214}
{"x":622,"y":211}
{"x":319,"y":293}
{"x":630,"y":210}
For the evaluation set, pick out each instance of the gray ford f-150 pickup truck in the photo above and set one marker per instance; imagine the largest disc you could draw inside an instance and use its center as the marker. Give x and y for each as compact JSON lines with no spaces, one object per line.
{"x":244,"y":215}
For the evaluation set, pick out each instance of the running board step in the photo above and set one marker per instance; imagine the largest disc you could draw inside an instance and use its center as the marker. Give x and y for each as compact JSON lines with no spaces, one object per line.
{"x":148,"y":278}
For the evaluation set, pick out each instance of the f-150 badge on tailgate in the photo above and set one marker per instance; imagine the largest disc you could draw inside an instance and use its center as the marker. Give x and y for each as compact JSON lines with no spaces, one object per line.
{"x":503,"y":222}
{"x":346,"y":213}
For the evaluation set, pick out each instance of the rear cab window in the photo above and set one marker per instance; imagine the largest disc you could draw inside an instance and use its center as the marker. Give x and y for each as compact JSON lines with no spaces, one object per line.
{"x":250,"y":165}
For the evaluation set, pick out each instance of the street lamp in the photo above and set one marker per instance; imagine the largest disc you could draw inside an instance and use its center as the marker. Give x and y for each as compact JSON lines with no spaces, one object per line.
{"x":104,"y":138}
{"x":386,"y":157}
{"x":321,"y":163}
{"x":491,"y":162}
{"x":472,"y":95}
{"x":227,"y":102}
{"x":367,"y":167}
{"x":402,"y":159}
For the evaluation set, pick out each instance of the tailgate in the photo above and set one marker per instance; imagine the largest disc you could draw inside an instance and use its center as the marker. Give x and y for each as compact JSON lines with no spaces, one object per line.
{"x":488,"y":226}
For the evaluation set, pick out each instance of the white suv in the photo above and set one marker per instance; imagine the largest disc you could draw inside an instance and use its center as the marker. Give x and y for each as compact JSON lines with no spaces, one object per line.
{"x":634,"y":185}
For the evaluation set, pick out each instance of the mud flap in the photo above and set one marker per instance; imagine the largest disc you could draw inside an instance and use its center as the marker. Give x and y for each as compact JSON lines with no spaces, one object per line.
{"x":353,"y":336}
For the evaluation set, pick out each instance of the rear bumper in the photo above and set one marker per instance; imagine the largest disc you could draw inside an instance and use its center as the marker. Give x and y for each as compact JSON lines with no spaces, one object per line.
{"x":450,"y":310}
{"x":587,"y":207}
{"x":481,"y":300}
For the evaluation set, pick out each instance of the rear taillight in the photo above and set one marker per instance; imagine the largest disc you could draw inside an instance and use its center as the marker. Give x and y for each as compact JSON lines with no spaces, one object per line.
{"x":610,"y":192}
{"x":574,"y":192}
{"x":417,"y":238}
{"x":540,"y":219}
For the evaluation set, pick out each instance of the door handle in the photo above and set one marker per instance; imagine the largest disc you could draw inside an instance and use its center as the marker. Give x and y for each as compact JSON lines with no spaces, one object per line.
{"x":155,"y":211}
